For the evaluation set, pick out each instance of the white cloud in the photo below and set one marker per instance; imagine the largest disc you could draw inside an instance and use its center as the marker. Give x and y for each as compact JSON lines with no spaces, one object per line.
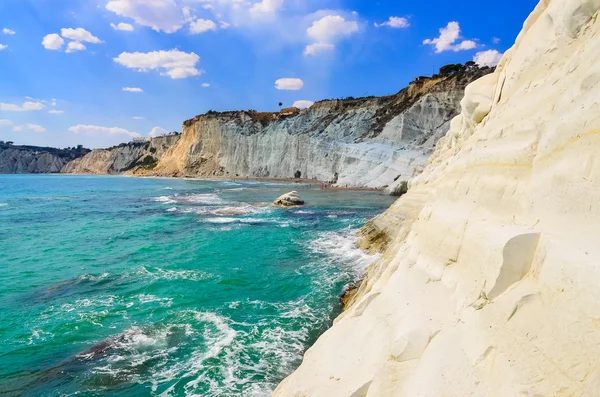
{"x":5,"y":122}
{"x":8,"y":31}
{"x":313,"y":49}
{"x":395,"y":22}
{"x":54,"y":111}
{"x":303,"y":104}
{"x":53,"y":42}
{"x":496,"y":40}
{"x":205,"y":85}
{"x":138,"y":118}
{"x":25,"y":107}
{"x":3,"y":47}
{"x":291,"y":84}
{"x":448,"y":38}
{"x":122,"y":26}
{"x":95,"y":130}
{"x":224,"y":25}
{"x":160,"y":15}
{"x":173,"y":63}
{"x":331,"y":27}
{"x":266,"y":6}
{"x":157,"y":131}
{"x":75,"y":46}
{"x":132,"y":89}
{"x":80,"y":35}
{"x":202,"y":25}
{"x":487,"y":58}
{"x":30,"y":127}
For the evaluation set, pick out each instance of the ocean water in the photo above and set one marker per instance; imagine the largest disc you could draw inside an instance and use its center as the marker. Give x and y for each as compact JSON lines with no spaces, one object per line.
{"x":114,"y":286}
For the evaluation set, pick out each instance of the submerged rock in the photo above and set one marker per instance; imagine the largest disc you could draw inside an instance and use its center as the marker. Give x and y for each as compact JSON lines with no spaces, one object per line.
{"x":289,"y":200}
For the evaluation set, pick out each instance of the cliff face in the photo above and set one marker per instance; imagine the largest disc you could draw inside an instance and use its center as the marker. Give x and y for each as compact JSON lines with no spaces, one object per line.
{"x":371,"y":142}
{"x":35,"y":160}
{"x":489,"y":284}
{"x":134,"y":157}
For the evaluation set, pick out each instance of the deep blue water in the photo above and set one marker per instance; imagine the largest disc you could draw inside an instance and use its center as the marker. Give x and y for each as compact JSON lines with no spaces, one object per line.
{"x":114,"y":286}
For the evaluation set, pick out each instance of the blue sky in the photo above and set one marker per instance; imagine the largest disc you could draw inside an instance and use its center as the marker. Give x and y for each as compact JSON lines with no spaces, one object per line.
{"x":98,"y":72}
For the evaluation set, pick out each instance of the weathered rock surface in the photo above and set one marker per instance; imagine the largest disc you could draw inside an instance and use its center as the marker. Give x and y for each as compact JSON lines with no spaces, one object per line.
{"x":368,"y":142}
{"x":489,"y":284}
{"x":133,"y":158}
{"x":290,"y":199}
{"x":35,"y":160}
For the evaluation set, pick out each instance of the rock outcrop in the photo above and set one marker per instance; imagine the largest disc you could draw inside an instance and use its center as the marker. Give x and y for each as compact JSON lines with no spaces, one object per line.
{"x":366,"y":142}
{"x":489,"y":282}
{"x":291,"y":199}
{"x":136,"y":158}
{"x":35,"y":160}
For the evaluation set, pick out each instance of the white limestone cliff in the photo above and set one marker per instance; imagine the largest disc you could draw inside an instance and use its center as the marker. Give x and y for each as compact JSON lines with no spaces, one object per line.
{"x":133,"y":157}
{"x":365,"y":142}
{"x":490,"y":282}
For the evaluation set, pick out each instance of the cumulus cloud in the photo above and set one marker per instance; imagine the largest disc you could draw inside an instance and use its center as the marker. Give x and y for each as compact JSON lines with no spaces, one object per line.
{"x":96,"y":130}
{"x":75,"y":46}
{"x":291,"y":84}
{"x":395,"y":22}
{"x":5,"y":122}
{"x":330,"y":28}
{"x":54,"y":111}
{"x":132,"y":89}
{"x":487,"y":58}
{"x":313,"y":49}
{"x":266,"y":6}
{"x":160,"y":15}
{"x":138,"y":118}
{"x":8,"y":31}
{"x":303,"y":104}
{"x":224,"y":25}
{"x":122,"y":26}
{"x":157,"y":131}
{"x":496,"y":40}
{"x":205,"y":85}
{"x":202,"y":25}
{"x":27,"y":106}
{"x":3,"y":47}
{"x":80,"y":35}
{"x":30,"y":127}
{"x":53,"y":42}
{"x":449,"y":40}
{"x":173,"y":63}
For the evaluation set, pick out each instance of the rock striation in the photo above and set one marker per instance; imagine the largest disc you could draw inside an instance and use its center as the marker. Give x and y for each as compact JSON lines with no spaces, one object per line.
{"x":367,"y":142}
{"x":137,"y":158}
{"x":16,"y":159}
{"x":488,"y":285}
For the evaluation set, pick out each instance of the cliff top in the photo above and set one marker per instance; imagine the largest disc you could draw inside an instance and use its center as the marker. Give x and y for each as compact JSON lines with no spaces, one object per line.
{"x":450,"y":76}
{"x":69,"y":153}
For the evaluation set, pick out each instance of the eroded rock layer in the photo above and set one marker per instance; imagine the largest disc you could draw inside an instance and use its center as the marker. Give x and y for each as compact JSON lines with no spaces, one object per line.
{"x":137,"y":158}
{"x":16,"y":159}
{"x":367,"y":142}
{"x":489,"y":284}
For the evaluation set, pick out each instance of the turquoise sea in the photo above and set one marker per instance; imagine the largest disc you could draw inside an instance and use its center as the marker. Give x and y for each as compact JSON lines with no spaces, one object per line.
{"x":115,"y":286}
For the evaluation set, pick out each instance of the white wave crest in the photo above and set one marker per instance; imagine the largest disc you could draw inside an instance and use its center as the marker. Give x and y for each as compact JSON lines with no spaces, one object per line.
{"x":165,"y":200}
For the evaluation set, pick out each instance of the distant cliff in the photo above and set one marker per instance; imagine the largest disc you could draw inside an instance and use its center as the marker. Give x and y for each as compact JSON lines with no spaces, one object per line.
{"x":16,"y":159}
{"x":133,"y":157}
{"x":367,"y":142}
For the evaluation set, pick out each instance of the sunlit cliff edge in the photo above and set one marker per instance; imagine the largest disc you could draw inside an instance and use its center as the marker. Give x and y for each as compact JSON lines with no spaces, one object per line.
{"x":489,"y":281}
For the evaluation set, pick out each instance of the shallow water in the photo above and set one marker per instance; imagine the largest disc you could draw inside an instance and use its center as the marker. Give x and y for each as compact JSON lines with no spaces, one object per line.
{"x":135,"y":287}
